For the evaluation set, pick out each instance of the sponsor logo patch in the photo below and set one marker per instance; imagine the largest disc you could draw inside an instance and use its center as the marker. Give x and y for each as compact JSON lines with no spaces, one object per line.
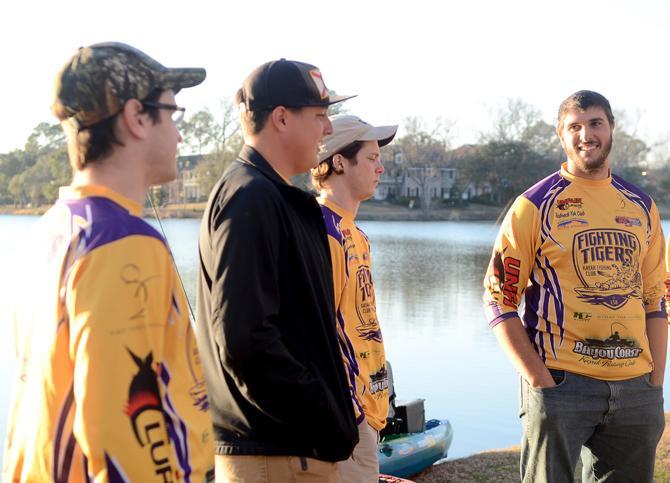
{"x":379,"y":380}
{"x":568,"y":203}
{"x":627,"y":221}
{"x":573,"y":223}
{"x":613,"y":347}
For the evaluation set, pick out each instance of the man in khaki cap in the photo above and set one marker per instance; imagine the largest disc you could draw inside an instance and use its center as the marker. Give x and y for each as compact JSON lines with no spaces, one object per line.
{"x":109,"y":385}
{"x":348,"y":173}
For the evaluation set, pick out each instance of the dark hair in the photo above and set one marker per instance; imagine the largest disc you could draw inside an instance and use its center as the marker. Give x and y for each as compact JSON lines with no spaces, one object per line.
{"x":96,"y":142}
{"x":253,"y":122}
{"x":325,"y":168}
{"x":582,"y":100}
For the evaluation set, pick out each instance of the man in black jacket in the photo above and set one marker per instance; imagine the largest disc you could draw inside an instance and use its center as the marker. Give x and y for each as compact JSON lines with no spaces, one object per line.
{"x":265,"y":321}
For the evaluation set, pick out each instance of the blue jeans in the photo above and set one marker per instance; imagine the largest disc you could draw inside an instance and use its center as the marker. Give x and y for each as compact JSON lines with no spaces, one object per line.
{"x":615,"y":425}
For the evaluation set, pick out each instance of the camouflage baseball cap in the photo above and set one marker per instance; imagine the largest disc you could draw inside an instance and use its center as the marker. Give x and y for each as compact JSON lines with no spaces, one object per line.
{"x":98,"y":80}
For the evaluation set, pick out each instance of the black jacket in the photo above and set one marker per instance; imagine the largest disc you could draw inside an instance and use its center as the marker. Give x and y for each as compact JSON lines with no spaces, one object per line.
{"x":265,"y":320}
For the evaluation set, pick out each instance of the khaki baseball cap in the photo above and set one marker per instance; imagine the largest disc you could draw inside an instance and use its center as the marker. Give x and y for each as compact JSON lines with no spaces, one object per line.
{"x":348,"y":128}
{"x":98,"y":80}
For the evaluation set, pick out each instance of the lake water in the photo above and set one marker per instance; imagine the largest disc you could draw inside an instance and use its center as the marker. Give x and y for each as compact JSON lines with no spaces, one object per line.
{"x":428,"y":279}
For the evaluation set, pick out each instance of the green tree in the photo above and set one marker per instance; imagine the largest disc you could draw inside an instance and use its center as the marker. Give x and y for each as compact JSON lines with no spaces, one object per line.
{"x":504,"y":169}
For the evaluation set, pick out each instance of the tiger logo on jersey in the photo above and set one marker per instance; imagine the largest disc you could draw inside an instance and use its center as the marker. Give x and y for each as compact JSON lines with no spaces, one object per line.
{"x":607,"y":263}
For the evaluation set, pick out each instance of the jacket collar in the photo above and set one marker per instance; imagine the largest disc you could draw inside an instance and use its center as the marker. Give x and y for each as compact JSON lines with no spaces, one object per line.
{"x":250,"y":156}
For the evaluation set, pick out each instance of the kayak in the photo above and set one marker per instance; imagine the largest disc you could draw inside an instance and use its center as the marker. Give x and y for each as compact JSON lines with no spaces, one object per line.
{"x":407,"y":454}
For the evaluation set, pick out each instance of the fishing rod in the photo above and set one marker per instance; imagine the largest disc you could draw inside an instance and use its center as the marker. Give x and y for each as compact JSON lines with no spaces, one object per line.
{"x":174,"y":262}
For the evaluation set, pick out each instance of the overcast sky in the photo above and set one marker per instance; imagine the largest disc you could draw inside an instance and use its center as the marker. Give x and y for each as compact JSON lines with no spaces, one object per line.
{"x":455,"y":59}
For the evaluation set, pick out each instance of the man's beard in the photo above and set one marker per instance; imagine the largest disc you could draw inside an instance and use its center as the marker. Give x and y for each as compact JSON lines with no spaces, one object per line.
{"x":591,"y":165}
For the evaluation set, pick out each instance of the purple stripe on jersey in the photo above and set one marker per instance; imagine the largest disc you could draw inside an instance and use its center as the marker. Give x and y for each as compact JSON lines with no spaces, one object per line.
{"x":552,"y":288}
{"x":67,"y":459}
{"x":84,"y":461}
{"x":175,"y":304}
{"x":502,"y":317}
{"x":644,"y":197}
{"x":494,"y":311}
{"x":59,"y":442}
{"x":530,"y":318}
{"x":660,"y":313}
{"x":635,"y":195}
{"x":114,"y":473}
{"x":558,"y":299}
{"x":543,"y":350}
{"x":106,"y":222}
{"x":176,"y":427}
{"x":332,"y":222}
{"x":546,"y":205}
{"x":346,"y":346}
{"x":537,"y":193}
{"x":348,"y":353}
{"x":550,"y":334}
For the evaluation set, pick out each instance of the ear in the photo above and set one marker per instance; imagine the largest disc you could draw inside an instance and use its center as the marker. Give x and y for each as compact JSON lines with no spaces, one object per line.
{"x":338,"y":164}
{"x":279,"y":118}
{"x":560,"y":138}
{"x":133,"y":120}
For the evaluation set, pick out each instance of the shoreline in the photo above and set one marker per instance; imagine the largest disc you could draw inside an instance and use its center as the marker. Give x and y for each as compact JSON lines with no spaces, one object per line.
{"x":502,"y":465}
{"x":369,"y":211}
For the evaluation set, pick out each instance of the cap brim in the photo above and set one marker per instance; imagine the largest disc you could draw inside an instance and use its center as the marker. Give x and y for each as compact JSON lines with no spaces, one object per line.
{"x":177,"y":79}
{"x":382,"y":134}
{"x":335,"y":99}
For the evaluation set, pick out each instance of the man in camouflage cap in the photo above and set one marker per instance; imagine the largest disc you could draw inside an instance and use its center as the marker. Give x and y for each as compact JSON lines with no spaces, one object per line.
{"x":109,"y":385}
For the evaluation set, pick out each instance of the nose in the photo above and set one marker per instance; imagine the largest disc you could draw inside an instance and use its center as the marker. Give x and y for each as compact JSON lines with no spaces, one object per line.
{"x":380,"y":168}
{"x":584,"y":134}
{"x":179,"y":138}
{"x":327,"y":127}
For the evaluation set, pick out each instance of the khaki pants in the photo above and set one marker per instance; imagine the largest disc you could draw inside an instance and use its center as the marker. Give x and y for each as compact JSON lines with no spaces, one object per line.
{"x":274,"y":469}
{"x":363,"y":466}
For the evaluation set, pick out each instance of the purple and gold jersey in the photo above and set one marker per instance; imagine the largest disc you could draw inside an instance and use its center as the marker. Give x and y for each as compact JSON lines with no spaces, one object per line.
{"x":109,"y":385}
{"x":357,"y":325}
{"x":589,"y":255}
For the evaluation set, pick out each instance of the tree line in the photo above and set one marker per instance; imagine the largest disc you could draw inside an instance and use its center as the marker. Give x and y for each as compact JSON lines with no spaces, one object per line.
{"x":517,"y":150}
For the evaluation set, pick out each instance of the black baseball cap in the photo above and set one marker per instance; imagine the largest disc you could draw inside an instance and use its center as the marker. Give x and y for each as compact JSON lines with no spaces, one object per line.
{"x":287,"y":83}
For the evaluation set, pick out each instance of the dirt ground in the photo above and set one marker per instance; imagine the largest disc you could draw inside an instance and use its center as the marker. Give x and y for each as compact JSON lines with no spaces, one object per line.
{"x":502,"y":466}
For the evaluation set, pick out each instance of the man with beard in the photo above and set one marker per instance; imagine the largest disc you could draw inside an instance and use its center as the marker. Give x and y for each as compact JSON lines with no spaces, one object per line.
{"x":591,"y":354}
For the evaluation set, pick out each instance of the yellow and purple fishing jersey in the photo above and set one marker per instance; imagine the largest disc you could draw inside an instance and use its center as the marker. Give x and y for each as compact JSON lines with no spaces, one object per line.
{"x":357,"y":325}
{"x":109,"y":385}
{"x":589,"y":255}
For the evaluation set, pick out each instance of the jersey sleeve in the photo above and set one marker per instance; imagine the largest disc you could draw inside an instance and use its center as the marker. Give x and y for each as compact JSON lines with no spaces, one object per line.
{"x":653,"y":269}
{"x":511,"y":261}
{"x":118,"y":302}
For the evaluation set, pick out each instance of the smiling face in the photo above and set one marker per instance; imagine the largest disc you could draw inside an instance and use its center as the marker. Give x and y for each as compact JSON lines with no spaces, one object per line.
{"x":586,"y":137}
{"x":306,"y":128}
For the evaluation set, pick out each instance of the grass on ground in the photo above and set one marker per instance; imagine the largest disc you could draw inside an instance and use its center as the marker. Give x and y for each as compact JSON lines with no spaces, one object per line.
{"x":502,"y":466}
